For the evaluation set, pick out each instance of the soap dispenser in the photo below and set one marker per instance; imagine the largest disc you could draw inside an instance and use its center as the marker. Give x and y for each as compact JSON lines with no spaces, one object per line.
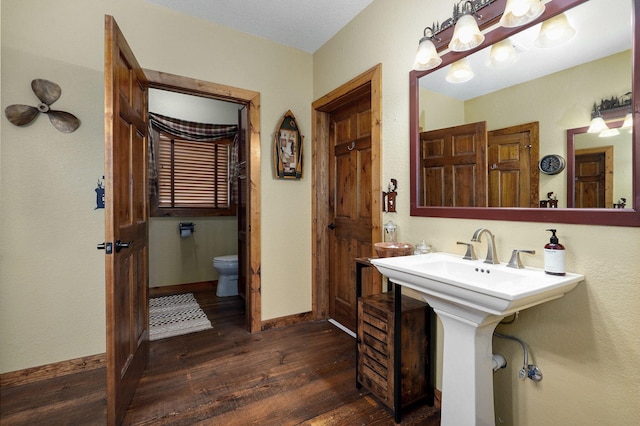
{"x":554,"y":256}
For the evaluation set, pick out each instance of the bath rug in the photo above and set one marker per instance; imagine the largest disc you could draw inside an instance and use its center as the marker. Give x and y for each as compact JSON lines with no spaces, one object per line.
{"x":175,"y":315}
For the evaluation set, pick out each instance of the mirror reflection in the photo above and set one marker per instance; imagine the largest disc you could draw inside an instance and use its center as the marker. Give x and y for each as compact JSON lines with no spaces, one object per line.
{"x":602,"y":169}
{"x":482,"y":136}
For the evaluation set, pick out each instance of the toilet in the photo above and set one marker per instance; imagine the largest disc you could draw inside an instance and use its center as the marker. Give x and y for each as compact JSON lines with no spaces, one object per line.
{"x":227,"y":267}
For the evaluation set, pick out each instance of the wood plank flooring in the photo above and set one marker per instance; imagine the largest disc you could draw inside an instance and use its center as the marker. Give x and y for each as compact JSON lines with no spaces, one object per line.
{"x":302,"y":374}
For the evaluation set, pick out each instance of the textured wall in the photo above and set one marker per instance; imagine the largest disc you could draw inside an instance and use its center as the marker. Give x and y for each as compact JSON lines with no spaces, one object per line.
{"x":587,"y":343}
{"x":51,"y":275}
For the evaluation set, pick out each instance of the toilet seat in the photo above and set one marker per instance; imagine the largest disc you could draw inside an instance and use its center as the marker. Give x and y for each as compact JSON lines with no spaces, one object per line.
{"x":232,"y":258}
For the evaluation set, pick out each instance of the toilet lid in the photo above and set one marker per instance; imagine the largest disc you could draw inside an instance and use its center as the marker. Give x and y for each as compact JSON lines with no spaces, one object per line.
{"x":229,"y":258}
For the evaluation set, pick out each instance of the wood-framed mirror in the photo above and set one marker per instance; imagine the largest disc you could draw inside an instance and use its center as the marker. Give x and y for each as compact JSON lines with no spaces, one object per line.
{"x":424,"y":116}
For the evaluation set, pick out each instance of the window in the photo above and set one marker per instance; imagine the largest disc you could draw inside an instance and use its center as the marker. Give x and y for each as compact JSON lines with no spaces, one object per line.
{"x":192,"y":177}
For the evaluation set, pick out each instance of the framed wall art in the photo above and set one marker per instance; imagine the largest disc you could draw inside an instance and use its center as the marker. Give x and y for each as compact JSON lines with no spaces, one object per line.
{"x":287,"y":149}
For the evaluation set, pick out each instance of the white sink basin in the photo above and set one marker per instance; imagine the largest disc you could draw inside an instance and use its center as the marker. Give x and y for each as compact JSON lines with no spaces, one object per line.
{"x":494,"y":289}
{"x":471,"y":297}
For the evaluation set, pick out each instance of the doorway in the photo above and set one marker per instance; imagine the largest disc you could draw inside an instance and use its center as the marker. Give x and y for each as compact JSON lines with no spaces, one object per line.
{"x":366,"y":89}
{"x":251,"y":204}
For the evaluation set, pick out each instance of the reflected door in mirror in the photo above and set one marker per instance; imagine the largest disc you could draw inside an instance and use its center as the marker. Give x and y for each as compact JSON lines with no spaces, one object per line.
{"x":454,"y":165}
{"x":594,"y":177}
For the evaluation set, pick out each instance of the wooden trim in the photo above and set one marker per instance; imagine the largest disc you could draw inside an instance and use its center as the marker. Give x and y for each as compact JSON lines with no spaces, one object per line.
{"x":437,"y":398}
{"x":191,"y":86}
{"x":320,"y":178}
{"x":287,"y":320}
{"x":50,"y":371}
{"x":183,"y":288}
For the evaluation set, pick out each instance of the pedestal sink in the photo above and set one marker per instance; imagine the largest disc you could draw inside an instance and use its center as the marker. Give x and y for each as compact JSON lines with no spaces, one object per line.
{"x":470,"y":298}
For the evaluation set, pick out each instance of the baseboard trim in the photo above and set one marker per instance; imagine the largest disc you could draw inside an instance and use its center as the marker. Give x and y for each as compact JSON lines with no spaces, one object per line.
{"x":182,"y":288}
{"x":288,"y":320}
{"x":437,"y":398}
{"x":50,"y":371}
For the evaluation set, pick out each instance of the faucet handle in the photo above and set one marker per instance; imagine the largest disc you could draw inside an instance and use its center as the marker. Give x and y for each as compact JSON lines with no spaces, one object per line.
{"x":470,"y":253}
{"x":515,"y":262}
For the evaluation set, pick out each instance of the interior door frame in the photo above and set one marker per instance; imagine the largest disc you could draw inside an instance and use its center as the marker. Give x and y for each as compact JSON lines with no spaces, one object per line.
{"x":190,"y":86}
{"x":320,"y":190}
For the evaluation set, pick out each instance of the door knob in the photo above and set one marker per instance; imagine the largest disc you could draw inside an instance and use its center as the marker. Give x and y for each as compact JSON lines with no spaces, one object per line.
{"x":120,"y":245}
{"x":108,"y":247}
{"x":331,"y":226}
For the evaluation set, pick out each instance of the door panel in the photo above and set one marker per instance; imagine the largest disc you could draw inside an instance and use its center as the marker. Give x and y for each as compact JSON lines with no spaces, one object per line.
{"x":512,"y":157}
{"x":350,"y":180}
{"x":126,"y":216}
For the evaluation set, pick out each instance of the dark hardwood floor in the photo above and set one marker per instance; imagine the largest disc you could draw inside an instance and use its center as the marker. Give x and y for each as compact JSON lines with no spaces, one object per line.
{"x":301,"y":374}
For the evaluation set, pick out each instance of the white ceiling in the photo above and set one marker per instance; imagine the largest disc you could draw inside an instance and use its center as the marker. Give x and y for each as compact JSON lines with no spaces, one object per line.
{"x":303,"y":24}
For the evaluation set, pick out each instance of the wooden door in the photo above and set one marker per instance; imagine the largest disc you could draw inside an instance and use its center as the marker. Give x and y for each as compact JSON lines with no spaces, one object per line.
{"x":593,"y":185}
{"x":453,"y":166}
{"x":512,"y":157}
{"x":126,"y":230}
{"x":350,"y":181}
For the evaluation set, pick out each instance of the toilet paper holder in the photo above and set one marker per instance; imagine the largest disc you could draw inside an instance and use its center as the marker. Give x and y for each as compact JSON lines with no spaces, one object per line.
{"x":186,"y":228}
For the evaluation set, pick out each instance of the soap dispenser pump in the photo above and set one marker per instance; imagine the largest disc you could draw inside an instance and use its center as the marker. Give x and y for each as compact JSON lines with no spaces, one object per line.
{"x":554,"y":256}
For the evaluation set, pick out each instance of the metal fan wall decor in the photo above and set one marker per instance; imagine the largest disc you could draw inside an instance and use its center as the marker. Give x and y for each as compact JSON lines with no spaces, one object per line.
{"x":48,"y":92}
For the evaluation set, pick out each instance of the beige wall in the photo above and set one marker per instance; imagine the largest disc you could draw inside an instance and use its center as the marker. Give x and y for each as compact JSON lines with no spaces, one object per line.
{"x":51,"y":274}
{"x":587,"y":343}
{"x":176,"y":260}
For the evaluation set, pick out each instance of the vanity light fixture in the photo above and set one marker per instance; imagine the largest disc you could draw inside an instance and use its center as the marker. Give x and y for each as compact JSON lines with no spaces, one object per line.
{"x":612,"y":108}
{"x":427,"y":57}
{"x":555,"y":31}
{"x":462,"y":31}
{"x":521,"y":12}
{"x":460,"y":72}
{"x":597,"y":122}
{"x":466,"y":33}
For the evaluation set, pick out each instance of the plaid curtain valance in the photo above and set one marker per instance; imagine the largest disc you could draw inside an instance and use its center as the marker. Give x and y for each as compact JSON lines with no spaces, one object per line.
{"x":191,"y":130}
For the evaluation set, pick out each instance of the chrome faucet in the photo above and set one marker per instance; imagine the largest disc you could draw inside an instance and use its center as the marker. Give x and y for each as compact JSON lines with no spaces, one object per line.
{"x":492,"y":257}
{"x":515,"y":261}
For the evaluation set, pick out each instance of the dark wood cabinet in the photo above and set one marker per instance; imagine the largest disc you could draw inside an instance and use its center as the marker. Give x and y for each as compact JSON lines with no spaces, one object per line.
{"x":393,"y":357}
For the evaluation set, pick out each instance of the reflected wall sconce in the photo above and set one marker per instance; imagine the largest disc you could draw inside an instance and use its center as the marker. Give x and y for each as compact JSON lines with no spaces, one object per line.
{"x":554,"y":32}
{"x":612,"y":108}
{"x":502,"y":54}
{"x":521,"y":12}
{"x":460,"y":72}
{"x":628,"y":121}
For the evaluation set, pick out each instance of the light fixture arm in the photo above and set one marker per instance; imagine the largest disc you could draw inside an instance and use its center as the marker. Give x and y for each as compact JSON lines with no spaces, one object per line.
{"x":429,"y":37}
{"x":472,"y":9}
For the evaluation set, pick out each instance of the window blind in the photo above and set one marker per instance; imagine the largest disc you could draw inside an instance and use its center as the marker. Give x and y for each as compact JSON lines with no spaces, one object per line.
{"x":193,"y":174}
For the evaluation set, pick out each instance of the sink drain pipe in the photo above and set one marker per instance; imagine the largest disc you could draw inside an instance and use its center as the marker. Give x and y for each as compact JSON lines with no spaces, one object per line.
{"x":530,"y":371}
